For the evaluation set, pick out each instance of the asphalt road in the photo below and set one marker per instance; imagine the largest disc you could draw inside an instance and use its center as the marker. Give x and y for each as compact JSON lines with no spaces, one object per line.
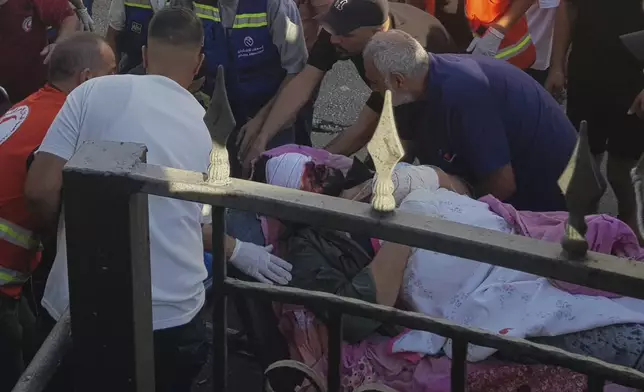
{"x":341,"y":98}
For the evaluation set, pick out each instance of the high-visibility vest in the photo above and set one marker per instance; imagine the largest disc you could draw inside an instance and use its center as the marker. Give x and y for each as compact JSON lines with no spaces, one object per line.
{"x":138,"y":14}
{"x":517,"y":47}
{"x":430,"y":7}
{"x":22,"y":129}
{"x":251,"y":61}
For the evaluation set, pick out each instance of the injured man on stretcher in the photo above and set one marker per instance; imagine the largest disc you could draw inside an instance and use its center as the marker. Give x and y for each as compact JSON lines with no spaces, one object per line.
{"x":496,"y":299}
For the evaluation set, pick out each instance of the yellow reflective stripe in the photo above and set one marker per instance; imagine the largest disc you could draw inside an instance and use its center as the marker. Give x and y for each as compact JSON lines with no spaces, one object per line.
{"x":137,"y":5}
{"x":17,"y":235}
{"x":207,"y":12}
{"x":8,"y":277}
{"x":515,"y":49}
{"x":250,"y":20}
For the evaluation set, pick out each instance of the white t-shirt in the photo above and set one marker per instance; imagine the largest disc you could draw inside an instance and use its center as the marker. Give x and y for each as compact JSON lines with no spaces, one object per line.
{"x":541,"y":22}
{"x":159,"y":113}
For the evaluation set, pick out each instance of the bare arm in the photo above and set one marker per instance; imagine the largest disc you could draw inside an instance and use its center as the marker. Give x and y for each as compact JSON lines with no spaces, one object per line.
{"x":43,"y":189}
{"x":229,"y":242}
{"x":387,"y":270}
{"x":266,"y":109}
{"x":517,"y":9}
{"x":356,"y":136}
{"x":561,"y":37}
{"x":290,"y":100}
{"x":68,"y":26}
{"x":500,"y":183}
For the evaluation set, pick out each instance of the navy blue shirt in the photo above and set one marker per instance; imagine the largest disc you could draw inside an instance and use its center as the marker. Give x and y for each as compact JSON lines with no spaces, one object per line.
{"x":483,"y":114}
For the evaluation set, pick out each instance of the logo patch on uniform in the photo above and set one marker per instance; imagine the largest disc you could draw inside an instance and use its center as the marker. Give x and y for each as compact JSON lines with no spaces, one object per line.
{"x":11,"y":121}
{"x":26,"y":24}
{"x":339,"y":4}
{"x":248,"y":41}
{"x":137,"y":27}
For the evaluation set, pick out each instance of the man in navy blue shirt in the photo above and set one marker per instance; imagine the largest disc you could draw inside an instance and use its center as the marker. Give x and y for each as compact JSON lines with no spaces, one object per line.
{"x":484,"y":120}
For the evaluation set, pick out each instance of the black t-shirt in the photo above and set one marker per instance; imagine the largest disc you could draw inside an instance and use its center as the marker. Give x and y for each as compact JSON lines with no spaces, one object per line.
{"x":425,"y":28}
{"x":598,"y":55}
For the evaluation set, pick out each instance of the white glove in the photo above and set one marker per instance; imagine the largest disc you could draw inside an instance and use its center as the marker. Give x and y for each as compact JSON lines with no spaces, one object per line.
{"x":258,"y":262}
{"x":488,"y":44}
{"x":86,"y":20}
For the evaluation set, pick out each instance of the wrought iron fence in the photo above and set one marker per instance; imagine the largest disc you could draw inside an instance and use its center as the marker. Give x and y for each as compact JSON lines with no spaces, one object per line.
{"x":106,"y":188}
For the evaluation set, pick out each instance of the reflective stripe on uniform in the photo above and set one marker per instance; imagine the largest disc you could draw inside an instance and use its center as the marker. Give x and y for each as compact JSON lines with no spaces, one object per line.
{"x":17,"y":235}
{"x":138,"y":4}
{"x":514,"y":50}
{"x":11,"y":277}
{"x":242,"y":21}
{"x":207,"y":12}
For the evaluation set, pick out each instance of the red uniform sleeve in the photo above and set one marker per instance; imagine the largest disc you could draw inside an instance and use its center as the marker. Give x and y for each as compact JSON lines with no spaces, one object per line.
{"x":53,"y":12}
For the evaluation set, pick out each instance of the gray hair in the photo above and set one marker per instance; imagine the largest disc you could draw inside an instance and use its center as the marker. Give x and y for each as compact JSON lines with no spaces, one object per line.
{"x":395,"y":51}
{"x":74,"y":53}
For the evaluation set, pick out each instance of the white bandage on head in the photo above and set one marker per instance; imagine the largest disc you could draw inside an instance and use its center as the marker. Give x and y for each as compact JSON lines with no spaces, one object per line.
{"x":286,"y":170}
{"x":408,"y":178}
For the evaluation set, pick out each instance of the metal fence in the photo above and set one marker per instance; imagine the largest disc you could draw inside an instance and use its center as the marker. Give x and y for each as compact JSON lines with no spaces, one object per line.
{"x":106,"y":188}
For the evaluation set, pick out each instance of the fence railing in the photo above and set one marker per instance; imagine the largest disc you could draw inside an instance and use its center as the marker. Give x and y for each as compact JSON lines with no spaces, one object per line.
{"x":106,"y":188}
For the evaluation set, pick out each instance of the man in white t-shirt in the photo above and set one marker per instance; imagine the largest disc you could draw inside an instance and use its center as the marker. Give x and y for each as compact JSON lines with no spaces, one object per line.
{"x":158,"y":111}
{"x":541,"y":23}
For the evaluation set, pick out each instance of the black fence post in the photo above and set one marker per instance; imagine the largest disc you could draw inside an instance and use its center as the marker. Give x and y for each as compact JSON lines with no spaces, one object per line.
{"x":108,"y":258}
{"x":219,"y":312}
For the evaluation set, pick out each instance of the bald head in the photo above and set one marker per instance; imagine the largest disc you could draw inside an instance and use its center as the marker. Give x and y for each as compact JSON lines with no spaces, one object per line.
{"x":175,"y":39}
{"x":79,"y":57}
{"x":395,"y":61}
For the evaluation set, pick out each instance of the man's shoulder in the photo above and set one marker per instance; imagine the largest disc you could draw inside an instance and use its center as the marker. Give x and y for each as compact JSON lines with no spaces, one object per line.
{"x":425,"y":28}
{"x":407,"y":17}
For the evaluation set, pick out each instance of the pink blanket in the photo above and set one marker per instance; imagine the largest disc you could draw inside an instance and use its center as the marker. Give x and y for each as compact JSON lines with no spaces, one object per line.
{"x":369,"y":362}
{"x":605,"y":234}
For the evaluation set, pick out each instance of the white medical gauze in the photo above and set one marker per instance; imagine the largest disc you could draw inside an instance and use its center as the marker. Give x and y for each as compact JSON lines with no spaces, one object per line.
{"x":286,"y":170}
{"x":408,"y":178}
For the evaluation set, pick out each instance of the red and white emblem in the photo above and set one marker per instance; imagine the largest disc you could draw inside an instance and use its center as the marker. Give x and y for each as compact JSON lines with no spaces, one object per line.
{"x":11,"y":121}
{"x":26,"y":24}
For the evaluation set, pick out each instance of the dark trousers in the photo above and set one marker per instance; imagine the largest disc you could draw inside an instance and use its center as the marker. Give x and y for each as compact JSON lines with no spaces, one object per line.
{"x":179,"y":355}
{"x":539,"y":75}
{"x":17,"y":327}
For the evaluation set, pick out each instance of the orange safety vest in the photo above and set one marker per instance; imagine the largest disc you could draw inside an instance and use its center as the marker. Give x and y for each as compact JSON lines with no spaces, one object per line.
{"x":517,"y":47}
{"x":22,"y":129}
{"x":430,"y":7}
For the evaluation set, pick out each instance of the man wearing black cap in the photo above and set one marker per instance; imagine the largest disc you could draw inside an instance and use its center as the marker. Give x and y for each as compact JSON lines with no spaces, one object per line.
{"x":347,"y":27}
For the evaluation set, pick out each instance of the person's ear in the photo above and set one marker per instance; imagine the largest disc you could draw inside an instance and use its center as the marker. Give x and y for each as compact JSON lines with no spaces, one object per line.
{"x":144,"y":56}
{"x":199,"y":64}
{"x":84,"y":76}
{"x":397,"y":80}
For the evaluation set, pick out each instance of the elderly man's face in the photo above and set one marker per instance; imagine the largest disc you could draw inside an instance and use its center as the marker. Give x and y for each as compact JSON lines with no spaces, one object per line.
{"x":394,"y":82}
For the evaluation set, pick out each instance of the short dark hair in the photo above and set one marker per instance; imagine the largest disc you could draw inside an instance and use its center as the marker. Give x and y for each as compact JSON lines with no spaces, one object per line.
{"x":75,"y":53}
{"x":177,"y":26}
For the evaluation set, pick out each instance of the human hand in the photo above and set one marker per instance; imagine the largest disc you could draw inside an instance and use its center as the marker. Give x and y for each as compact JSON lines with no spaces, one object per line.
{"x":555,"y":81}
{"x":488,"y":44}
{"x":251,"y":144}
{"x":638,"y":105}
{"x":247,"y":135}
{"x":258,"y":262}
{"x":47,"y":51}
{"x":86,"y":20}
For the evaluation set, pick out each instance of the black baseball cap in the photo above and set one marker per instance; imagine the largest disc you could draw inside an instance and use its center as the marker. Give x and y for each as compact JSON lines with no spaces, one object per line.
{"x":345,"y":16}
